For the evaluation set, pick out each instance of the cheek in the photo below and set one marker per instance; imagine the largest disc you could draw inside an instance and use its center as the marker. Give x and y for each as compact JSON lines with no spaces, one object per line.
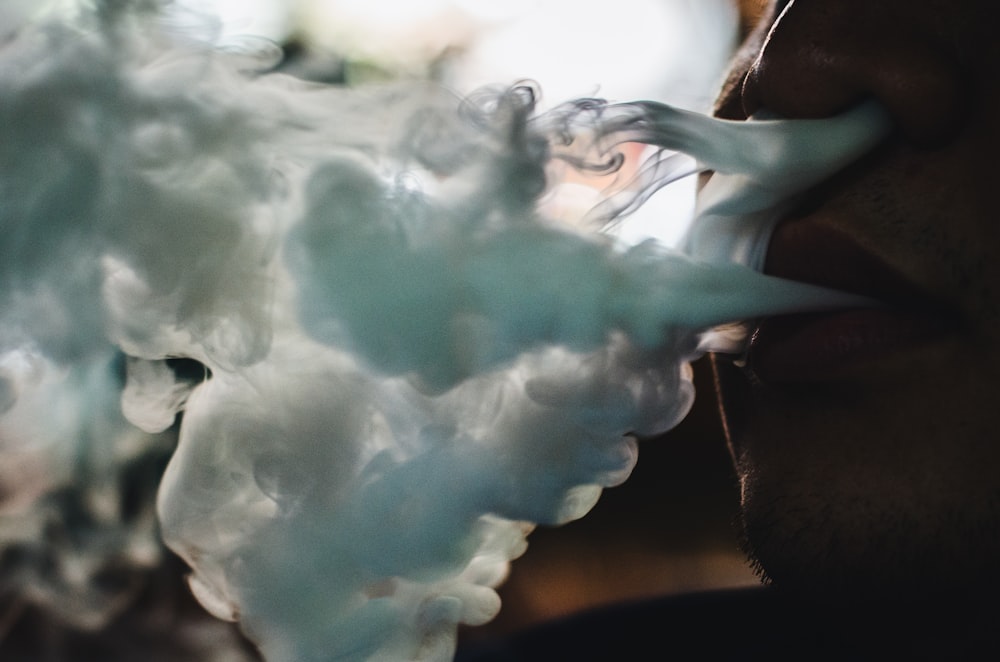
{"x":925,"y":436}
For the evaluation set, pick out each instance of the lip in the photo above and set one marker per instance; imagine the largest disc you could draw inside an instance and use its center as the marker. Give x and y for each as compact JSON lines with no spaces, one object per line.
{"x":824,"y":346}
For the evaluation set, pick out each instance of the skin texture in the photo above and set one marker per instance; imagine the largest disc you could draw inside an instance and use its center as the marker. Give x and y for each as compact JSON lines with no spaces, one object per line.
{"x":874,"y":476}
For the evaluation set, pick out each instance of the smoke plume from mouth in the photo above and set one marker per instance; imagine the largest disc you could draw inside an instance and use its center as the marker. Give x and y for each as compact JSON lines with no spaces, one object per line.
{"x":401,"y":364}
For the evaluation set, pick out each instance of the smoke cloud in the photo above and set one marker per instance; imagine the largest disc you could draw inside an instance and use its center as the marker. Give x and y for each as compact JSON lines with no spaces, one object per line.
{"x":387,"y":365}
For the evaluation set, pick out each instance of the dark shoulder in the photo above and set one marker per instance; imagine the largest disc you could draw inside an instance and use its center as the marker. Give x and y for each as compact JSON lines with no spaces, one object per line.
{"x":755,"y":623}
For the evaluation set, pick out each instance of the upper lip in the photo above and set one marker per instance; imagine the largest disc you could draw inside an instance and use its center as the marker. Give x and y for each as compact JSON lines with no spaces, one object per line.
{"x":818,"y":346}
{"x":812,"y":252}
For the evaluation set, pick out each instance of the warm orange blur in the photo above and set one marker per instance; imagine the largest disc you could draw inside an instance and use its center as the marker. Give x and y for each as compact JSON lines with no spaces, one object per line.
{"x":751,"y":11}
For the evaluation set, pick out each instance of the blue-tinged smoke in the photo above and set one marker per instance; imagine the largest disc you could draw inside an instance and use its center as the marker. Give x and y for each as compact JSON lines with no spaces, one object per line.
{"x":405,"y":365}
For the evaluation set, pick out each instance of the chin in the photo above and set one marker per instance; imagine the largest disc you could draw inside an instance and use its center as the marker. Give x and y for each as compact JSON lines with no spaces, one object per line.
{"x":882,"y":560}
{"x":851,"y":499}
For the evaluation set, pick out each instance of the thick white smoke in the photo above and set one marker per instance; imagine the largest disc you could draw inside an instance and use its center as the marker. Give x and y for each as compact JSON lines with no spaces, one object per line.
{"x":406,"y":365}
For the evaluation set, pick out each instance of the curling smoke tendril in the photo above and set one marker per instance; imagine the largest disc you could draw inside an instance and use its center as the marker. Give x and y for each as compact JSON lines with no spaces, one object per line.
{"x":406,"y":365}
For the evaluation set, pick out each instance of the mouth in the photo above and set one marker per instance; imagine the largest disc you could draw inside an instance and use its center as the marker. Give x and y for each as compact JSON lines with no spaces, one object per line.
{"x":819,"y":347}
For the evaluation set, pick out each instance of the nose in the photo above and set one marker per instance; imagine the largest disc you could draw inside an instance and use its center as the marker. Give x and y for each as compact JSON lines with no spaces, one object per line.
{"x":822,"y":56}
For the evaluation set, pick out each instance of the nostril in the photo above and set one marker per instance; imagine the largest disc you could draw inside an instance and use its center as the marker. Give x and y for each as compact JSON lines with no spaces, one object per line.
{"x":815,"y":64}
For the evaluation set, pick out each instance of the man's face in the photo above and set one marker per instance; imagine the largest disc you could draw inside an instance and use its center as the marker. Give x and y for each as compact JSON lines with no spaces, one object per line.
{"x":866,"y":441}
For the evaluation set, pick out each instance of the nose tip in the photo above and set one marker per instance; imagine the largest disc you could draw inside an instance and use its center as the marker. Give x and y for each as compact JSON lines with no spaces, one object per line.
{"x":822,"y":57}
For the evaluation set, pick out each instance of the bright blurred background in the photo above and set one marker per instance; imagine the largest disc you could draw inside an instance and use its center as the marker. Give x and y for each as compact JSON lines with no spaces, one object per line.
{"x":672,"y":51}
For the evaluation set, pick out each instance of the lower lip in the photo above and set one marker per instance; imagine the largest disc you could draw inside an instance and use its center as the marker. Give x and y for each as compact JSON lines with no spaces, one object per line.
{"x":823,"y":346}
